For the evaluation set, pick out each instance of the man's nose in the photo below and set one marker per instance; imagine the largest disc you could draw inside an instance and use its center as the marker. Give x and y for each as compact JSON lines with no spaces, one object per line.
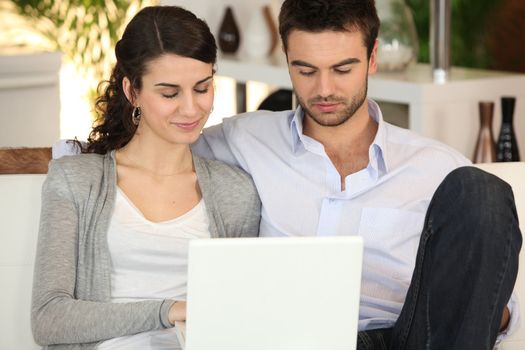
{"x":325,"y":85}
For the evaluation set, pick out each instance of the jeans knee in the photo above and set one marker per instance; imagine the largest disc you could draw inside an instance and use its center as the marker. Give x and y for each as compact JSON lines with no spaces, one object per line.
{"x":475,"y":200}
{"x":478,"y":187}
{"x":473,"y":220}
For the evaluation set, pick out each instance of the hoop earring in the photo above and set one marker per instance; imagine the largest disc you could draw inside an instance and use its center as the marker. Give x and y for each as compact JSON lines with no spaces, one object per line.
{"x":135,"y":115}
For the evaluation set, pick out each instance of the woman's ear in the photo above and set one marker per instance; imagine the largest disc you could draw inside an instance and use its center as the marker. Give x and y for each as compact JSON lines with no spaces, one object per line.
{"x":128,"y":90}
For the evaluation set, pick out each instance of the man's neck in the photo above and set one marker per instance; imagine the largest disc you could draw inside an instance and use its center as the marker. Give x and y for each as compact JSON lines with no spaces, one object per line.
{"x":347,"y":145}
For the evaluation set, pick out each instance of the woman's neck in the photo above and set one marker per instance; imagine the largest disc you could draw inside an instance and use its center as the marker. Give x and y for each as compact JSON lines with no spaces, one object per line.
{"x":156,"y":159}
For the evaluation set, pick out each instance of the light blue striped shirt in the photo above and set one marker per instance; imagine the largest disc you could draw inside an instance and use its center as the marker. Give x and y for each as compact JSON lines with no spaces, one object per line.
{"x":300,"y":189}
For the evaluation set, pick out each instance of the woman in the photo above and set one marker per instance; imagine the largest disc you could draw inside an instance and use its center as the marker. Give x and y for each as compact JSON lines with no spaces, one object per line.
{"x":116,"y":221}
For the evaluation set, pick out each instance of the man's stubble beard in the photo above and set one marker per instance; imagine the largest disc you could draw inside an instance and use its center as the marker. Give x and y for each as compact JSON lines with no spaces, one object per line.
{"x":343,"y":116}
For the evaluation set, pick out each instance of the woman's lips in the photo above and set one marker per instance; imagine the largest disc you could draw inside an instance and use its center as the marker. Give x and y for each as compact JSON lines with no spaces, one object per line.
{"x":187,"y":126}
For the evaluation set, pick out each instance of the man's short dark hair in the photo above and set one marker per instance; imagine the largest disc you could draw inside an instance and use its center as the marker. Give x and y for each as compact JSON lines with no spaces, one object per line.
{"x":336,"y":15}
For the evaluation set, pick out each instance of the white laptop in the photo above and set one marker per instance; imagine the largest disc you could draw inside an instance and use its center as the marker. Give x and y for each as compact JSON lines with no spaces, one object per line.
{"x":273,"y":293}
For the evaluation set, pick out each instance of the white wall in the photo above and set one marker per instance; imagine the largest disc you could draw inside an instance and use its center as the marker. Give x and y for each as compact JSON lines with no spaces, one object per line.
{"x":212,"y":11}
{"x":29,"y":99}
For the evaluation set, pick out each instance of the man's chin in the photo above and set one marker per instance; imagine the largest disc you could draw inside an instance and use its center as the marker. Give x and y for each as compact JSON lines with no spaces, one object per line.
{"x":329,"y":119}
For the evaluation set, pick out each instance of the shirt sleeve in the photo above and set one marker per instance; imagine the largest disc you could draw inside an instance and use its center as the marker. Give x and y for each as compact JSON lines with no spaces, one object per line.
{"x":65,"y":147}
{"x":213,"y":144}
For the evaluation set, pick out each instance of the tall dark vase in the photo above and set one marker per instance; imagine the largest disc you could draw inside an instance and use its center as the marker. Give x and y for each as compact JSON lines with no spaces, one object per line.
{"x":229,"y":36}
{"x":485,"y":151}
{"x":507,"y":148}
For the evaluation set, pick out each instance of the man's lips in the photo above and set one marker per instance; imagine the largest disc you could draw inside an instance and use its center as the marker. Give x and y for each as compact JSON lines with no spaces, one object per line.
{"x":326,"y":107}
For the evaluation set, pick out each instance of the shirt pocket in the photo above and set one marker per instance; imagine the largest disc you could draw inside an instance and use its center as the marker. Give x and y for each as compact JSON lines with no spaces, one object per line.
{"x":391,"y":239}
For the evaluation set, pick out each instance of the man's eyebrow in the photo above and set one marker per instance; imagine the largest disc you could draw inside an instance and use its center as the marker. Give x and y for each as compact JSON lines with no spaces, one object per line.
{"x":347,"y":61}
{"x":177,"y":86}
{"x":299,"y":63}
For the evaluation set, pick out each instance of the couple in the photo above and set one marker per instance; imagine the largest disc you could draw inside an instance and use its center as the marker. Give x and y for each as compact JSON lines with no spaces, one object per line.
{"x":441,"y":239}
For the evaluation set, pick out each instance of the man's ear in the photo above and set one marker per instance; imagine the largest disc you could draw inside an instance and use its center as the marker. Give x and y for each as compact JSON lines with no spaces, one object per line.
{"x":285,"y":52}
{"x":128,"y":90}
{"x":372,"y":62}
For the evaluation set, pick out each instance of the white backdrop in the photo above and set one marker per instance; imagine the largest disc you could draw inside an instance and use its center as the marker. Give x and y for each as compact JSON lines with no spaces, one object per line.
{"x":212,"y":11}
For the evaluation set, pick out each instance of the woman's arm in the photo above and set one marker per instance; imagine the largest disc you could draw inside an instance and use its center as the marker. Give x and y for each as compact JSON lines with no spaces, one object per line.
{"x":57,"y":316}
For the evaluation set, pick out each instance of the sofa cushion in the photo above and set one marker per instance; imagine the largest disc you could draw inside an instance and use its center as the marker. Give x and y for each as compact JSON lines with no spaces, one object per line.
{"x":514,"y":174}
{"x":19,"y":218}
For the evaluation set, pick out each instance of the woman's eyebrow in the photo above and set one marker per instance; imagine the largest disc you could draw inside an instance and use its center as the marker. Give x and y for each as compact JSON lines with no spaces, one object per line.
{"x":177,"y":86}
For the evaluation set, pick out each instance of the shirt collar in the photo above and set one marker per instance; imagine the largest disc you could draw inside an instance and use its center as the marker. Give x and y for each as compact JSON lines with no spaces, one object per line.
{"x":378,"y":152}
{"x":296,"y":129}
{"x":378,"y":148}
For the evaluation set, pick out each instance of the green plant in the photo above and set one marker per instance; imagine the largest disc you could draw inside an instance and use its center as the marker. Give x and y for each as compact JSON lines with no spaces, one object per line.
{"x":468,"y":23}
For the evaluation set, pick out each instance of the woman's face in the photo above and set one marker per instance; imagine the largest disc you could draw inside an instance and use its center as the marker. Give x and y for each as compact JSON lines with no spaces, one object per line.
{"x":175,"y":99}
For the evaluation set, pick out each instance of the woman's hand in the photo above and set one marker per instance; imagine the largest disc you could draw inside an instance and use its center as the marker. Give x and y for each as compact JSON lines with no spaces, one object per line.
{"x":177,"y":312}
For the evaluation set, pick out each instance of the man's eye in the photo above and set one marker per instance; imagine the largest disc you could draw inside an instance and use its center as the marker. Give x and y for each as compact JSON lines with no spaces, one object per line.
{"x":306,"y":73}
{"x":343,"y":71}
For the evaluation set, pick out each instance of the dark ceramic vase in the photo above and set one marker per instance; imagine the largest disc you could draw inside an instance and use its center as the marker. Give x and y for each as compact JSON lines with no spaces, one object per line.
{"x":507,"y":148}
{"x":229,"y":36}
{"x":485,"y":151}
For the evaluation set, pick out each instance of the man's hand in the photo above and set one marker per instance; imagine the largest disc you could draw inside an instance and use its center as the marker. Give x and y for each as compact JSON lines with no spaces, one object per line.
{"x":505,"y":318}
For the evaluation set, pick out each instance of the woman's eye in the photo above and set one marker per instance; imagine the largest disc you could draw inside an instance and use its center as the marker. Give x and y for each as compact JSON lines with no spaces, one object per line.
{"x":170,"y":95}
{"x":201,"y":91}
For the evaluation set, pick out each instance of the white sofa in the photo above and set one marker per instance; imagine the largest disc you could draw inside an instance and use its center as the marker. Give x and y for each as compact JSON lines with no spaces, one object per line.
{"x":514,"y":174}
{"x":19,"y":217}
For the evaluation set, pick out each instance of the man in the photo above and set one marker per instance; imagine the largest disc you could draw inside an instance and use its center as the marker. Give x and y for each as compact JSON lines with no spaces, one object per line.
{"x":441,"y":240}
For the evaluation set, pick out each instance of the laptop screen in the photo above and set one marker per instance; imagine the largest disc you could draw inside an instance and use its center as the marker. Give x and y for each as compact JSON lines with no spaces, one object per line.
{"x":273,"y":293}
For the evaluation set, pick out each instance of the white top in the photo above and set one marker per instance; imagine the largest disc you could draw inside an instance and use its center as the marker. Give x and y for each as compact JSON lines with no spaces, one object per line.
{"x":149,"y":261}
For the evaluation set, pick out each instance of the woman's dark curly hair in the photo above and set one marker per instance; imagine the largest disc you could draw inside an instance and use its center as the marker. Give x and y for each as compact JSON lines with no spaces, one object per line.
{"x":153,"y":32}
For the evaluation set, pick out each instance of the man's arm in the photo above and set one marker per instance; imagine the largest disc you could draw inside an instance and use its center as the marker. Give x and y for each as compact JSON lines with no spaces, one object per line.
{"x":65,"y":147}
{"x":213,"y":144}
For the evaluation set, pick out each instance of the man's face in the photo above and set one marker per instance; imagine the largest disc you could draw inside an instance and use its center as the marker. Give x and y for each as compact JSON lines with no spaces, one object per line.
{"x":329,"y":72}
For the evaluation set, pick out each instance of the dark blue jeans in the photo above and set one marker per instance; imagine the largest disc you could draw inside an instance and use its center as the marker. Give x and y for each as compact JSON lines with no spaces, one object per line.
{"x":465,"y":269}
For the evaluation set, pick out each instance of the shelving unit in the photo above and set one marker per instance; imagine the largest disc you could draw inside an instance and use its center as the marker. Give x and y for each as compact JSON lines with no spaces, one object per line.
{"x":447,"y":112}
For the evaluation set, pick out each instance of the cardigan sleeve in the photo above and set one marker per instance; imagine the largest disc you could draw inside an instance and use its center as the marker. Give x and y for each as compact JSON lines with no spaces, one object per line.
{"x":57,"y":315}
{"x":231,"y":198}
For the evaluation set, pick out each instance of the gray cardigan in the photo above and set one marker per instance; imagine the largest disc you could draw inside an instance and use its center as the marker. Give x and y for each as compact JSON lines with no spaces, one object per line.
{"x":71,"y":306}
